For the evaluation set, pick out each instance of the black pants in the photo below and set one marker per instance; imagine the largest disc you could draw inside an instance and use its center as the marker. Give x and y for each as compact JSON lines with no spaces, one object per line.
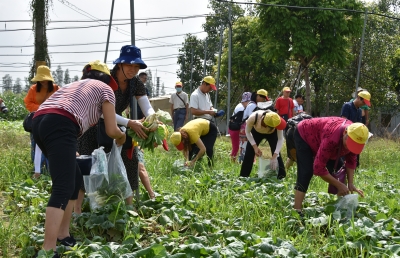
{"x":57,"y":136}
{"x":305,"y":163}
{"x":247,"y":164}
{"x":208,"y":141}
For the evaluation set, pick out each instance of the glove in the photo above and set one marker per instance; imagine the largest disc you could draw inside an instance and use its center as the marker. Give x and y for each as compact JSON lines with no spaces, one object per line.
{"x":273,"y":164}
{"x":220,"y":113}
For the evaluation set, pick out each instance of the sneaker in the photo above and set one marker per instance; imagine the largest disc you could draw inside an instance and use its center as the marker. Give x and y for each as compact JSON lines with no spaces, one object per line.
{"x":68,"y":241}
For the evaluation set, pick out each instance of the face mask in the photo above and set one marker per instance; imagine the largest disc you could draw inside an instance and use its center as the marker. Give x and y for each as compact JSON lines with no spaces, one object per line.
{"x":178,"y":89}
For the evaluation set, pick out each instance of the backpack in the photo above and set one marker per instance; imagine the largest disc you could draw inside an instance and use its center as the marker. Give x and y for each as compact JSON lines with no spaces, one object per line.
{"x":236,"y":121}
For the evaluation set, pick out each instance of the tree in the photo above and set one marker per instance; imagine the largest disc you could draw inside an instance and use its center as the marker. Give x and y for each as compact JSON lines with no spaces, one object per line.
{"x":306,"y":34}
{"x":17,"y":86}
{"x":162,"y":90}
{"x":27,"y":83}
{"x":7,"y":83}
{"x":76,"y":78}
{"x":149,"y":84}
{"x":250,"y":69}
{"x":40,"y":20}
{"x":58,"y":76}
{"x":67,"y":79}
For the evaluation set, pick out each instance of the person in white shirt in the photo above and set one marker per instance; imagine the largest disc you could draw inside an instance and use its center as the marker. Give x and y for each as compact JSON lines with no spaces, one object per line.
{"x":298,"y":104}
{"x":179,"y":106}
{"x":200,"y":102}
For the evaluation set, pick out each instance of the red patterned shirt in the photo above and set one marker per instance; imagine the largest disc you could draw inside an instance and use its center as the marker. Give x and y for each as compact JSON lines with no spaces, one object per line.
{"x":82,"y":99}
{"x":323,"y":135}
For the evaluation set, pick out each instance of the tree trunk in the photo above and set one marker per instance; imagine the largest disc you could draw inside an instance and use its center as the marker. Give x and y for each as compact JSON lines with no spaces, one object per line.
{"x":308,"y":90}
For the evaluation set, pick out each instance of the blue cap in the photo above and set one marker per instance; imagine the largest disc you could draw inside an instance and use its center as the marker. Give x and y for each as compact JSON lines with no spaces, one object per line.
{"x":130,"y":54}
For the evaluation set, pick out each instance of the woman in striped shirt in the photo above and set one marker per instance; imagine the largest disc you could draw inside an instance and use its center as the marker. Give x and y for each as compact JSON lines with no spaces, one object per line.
{"x":57,"y":124}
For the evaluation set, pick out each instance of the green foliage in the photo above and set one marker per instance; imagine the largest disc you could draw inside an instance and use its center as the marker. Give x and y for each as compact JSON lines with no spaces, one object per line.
{"x":209,"y":213}
{"x":16,"y":106}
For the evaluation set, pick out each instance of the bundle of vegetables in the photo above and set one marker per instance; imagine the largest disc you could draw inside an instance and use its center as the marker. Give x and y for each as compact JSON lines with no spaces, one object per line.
{"x":110,"y":191}
{"x":155,"y":134}
{"x":163,"y":116}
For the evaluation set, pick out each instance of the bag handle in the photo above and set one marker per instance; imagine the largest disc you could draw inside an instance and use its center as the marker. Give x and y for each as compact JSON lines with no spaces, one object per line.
{"x":340,"y":144}
{"x":181,"y":99}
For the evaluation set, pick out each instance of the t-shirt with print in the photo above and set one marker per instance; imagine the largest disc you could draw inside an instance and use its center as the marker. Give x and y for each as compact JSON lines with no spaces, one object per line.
{"x":196,"y":128}
{"x":83,"y":99}
{"x":323,"y":135}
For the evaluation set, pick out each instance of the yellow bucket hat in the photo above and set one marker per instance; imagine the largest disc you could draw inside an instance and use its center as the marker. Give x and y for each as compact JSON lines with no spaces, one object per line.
{"x":42,"y":74}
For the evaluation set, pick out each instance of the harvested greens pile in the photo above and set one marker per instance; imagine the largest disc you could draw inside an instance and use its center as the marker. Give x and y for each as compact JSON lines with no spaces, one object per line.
{"x":110,"y":191}
{"x":157,"y":132}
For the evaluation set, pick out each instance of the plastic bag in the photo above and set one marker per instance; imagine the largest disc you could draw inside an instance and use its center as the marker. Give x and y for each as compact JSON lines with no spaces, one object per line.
{"x":264,"y":169}
{"x":98,"y":176}
{"x":346,"y":207}
{"x":118,"y":183}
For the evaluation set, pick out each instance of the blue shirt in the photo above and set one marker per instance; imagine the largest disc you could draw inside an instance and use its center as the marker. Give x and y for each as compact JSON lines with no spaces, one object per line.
{"x":350,"y":112}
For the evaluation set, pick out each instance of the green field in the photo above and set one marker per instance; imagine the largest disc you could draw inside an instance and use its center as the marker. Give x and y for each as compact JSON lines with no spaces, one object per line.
{"x":208,"y":213}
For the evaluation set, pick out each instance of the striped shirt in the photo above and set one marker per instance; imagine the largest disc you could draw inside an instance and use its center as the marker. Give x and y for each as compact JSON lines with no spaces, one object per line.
{"x":82,"y":99}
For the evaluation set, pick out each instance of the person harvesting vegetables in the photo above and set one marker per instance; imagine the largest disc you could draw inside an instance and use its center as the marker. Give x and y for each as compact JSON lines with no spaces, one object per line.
{"x":194,"y":139}
{"x":321,"y":141}
{"x":57,"y":124}
{"x":125,"y":71}
{"x":264,"y":124}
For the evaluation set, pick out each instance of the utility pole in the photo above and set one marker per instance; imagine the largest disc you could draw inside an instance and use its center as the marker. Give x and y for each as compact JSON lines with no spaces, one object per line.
{"x":205,"y":58}
{"x":219,"y":64}
{"x":191,"y":79}
{"x":361,"y":52}
{"x":109,"y":31}
{"x":229,"y":66}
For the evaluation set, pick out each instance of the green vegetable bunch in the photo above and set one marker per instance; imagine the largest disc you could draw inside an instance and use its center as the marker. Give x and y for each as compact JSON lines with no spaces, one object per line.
{"x":111,"y":191}
{"x":155,"y":135}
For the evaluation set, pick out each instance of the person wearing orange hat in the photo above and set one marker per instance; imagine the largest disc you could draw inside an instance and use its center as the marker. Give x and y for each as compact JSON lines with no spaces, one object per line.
{"x":352,"y":110}
{"x":195,"y":139}
{"x":319,"y":142}
{"x":179,"y":106}
{"x":200,"y":101}
{"x":37,"y":94}
{"x":264,"y":124}
{"x":56,"y":126}
{"x":284,"y":105}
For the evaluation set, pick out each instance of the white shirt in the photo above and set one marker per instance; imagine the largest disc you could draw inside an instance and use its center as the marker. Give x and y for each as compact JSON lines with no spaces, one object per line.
{"x":178,"y":103}
{"x":201,"y":101}
{"x":249,"y":109}
{"x":297,"y":107}
{"x":239,"y":107}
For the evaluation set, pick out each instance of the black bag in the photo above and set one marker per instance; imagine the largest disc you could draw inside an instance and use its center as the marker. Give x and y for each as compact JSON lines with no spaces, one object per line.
{"x":107,"y":142}
{"x":236,"y":121}
{"x":27,"y":124}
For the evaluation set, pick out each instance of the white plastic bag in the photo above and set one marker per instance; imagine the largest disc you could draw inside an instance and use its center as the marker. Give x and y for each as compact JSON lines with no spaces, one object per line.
{"x":98,"y":176}
{"x":346,"y":207}
{"x":117,"y":177}
{"x":264,"y":168}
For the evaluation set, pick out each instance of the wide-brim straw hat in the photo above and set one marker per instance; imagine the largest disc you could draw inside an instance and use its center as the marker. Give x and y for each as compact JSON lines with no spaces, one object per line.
{"x":42,"y":74}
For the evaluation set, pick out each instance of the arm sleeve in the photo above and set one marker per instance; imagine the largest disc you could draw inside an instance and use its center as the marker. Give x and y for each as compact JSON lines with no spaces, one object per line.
{"x":193,"y":102}
{"x":249,"y":125}
{"x":145,"y":106}
{"x":170,"y":99}
{"x":249,"y":109}
{"x":30,"y":102}
{"x":279,"y":144}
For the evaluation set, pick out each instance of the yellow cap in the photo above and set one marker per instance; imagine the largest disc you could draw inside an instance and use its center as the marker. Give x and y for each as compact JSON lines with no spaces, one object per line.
{"x":366,"y":96}
{"x":272,"y":119}
{"x":262,"y":92}
{"x":43,"y":74}
{"x":176,"y":138}
{"x":358,"y":136}
{"x":100,"y":66}
{"x":210,"y":80}
{"x":178,"y":84}
{"x":286,"y":89}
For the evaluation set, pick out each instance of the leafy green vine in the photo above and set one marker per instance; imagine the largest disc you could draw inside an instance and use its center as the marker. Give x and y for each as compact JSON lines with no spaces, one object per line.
{"x":40,"y":16}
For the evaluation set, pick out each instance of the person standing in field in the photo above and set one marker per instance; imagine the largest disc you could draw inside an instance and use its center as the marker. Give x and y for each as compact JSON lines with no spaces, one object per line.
{"x":179,"y":106}
{"x":298,"y":104}
{"x":284,"y":105}
{"x":37,"y":94}
{"x":56,"y":125}
{"x":200,"y":102}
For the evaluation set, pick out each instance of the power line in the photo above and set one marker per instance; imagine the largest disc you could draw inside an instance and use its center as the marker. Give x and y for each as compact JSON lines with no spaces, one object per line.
{"x":93,"y":51}
{"x":119,"y":42}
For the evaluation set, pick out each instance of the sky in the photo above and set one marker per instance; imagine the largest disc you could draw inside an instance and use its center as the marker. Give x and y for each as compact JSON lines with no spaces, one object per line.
{"x":160,"y":55}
